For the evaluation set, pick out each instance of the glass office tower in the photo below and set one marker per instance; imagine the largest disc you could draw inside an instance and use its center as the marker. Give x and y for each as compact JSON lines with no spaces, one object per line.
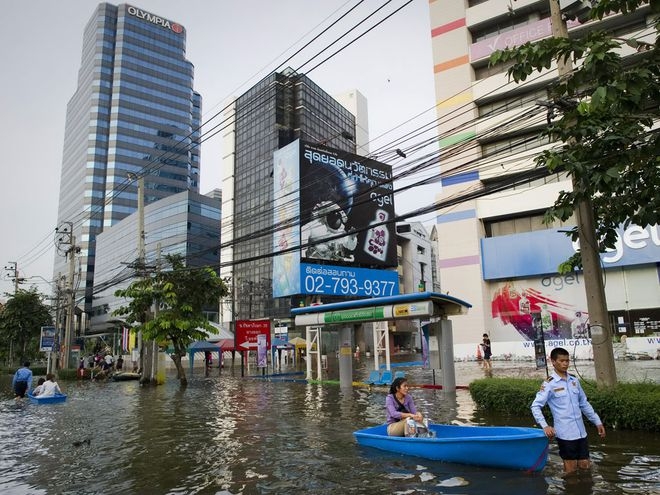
{"x":134,"y":113}
{"x":278,"y":110}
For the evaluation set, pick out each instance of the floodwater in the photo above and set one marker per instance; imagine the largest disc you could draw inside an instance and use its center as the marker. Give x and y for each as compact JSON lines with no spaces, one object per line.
{"x":227,"y":434}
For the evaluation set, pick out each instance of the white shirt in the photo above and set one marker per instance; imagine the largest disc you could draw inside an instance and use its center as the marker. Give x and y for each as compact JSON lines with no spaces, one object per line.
{"x":48,"y":389}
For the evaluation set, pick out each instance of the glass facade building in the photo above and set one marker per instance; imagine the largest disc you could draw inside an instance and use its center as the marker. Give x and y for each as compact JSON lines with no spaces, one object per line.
{"x":134,"y":113}
{"x":186,"y":224}
{"x":278,"y":110}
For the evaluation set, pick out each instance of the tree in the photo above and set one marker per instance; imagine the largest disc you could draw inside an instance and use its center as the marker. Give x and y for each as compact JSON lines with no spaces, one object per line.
{"x":609,"y":105}
{"x":180,"y":295}
{"x":21,"y":320}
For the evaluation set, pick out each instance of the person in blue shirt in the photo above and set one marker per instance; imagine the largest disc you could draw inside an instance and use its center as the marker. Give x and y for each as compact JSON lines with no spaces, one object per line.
{"x":22,"y":382}
{"x":400,"y":406}
{"x":567,"y":402}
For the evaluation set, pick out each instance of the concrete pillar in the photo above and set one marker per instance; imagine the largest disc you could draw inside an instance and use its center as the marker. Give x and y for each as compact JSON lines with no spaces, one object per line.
{"x":441,"y":352}
{"x":447,"y":353}
{"x":345,"y":357}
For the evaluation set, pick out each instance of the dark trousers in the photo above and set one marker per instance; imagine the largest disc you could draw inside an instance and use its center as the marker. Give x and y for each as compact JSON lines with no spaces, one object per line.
{"x":20,"y":388}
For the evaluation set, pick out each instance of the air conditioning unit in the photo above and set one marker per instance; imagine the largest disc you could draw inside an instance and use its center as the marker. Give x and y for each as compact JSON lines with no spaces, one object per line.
{"x":576,"y":9}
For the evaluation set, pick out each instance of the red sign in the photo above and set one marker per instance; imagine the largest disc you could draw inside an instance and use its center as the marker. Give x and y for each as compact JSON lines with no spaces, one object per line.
{"x":247,"y":332}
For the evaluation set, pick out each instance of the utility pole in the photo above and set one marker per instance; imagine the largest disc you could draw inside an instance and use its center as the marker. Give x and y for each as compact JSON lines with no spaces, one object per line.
{"x":69,"y":239}
{"x":14,"y":270}
{"x":599,"y":323}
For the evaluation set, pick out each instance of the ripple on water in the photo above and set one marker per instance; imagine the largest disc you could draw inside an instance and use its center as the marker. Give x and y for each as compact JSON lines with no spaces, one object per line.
{"x":235,"y":435}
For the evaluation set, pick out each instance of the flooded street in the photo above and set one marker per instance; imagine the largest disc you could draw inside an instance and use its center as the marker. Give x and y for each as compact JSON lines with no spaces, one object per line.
{"x":229,"y":434}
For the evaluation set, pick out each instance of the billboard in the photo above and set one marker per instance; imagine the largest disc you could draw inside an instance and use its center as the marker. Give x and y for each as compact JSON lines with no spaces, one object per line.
{"x":333,"y":213}
{"x":47,"y":340}
{"x":346,"y":202}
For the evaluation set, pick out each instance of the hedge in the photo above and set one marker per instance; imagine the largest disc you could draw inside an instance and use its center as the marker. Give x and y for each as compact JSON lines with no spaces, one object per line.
{"x":629,"y":406}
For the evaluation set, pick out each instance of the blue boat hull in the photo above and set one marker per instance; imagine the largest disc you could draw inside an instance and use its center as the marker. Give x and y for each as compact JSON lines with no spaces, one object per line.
{"x":505,"y":447}
{"x":54,"y":399}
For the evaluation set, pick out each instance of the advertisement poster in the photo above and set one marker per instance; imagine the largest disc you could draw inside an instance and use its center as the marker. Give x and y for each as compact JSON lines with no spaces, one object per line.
{"x":346,"y":206}
{"x":47,"y":339}
{"x":286,"y":237}
{"x":551,"y":307}
{"x":262,"y":351}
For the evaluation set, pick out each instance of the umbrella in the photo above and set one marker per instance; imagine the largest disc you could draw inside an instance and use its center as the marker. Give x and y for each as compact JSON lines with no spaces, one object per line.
{"x":298,"y":341}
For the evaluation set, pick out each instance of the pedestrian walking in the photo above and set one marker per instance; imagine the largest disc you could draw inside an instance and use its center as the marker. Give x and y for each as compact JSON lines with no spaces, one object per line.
{"x":22,"y":381}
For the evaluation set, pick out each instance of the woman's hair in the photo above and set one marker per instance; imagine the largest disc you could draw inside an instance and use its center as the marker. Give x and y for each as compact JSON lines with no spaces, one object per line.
{"x":396,"y":384}
{"x":41,"y":381}
{"x":50,"y":376}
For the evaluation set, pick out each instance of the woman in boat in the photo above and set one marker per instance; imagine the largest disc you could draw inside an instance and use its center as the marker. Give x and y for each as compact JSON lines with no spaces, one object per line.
{"x":400,"y":406}
{"x":39,"y":387}
{"x":50,"y":387}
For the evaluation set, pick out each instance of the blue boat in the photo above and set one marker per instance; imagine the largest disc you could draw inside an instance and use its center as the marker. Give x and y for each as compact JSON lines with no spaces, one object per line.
{"x":507,"y":447}
{"x":53,"y":399}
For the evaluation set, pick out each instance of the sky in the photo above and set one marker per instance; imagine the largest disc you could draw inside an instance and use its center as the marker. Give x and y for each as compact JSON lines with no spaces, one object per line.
{"x":232,"y":44}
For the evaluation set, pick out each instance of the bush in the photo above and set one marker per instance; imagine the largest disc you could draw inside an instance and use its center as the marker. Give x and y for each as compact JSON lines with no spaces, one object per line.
{"x":36,"y":371}
{"x":632,"y":406}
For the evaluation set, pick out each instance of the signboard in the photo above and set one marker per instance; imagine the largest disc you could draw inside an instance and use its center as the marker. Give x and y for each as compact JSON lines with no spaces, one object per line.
{"x":334,"y":211}
{"x":248,"y":332}
{"x":262,"y":351}
{"x":347,"y":281}
{"x":370,"y":313}
{"x":47,"y":341}
{"x":347,"y":208}
{"x":540,"y":252}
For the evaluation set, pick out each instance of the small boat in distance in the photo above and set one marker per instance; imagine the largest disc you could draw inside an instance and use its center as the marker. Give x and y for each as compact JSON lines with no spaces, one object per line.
{"x":122,"y":376}
{"x":507,"y":447}
{"x":51,"y":399}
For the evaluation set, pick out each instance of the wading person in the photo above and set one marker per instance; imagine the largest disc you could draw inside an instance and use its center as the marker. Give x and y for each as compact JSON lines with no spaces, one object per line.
{"x":22,"y":381}
{"x":567,"y":402}
{"x":399,"y":407}
{"x":485,"y":345}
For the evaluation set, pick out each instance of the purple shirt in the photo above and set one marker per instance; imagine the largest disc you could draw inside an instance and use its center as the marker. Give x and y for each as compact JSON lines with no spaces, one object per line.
{"x":391,"y":405}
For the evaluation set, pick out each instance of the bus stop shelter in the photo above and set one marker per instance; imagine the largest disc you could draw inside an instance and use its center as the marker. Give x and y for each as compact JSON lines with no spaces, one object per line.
{"x":428,"y":306}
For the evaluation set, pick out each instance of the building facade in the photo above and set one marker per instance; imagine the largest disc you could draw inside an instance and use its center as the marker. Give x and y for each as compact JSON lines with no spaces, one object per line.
{"x":134,"y":113}
{"x":278,"y":110}
{"x":494,"y":251}
{"x":186,"y":224}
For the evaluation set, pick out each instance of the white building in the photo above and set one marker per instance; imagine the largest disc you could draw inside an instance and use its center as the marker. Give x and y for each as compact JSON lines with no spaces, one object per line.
{"x":495,"y":252}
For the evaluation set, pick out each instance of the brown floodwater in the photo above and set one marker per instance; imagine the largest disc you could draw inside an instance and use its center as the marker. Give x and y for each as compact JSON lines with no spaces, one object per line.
{"x":227,"y":434}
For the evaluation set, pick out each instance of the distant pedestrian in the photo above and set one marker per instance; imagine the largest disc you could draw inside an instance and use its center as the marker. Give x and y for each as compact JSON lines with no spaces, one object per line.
{"x":119,"y":365}
{"x":22,"y":381}
{"x":485,"y":345}
{"x":567,"y":402}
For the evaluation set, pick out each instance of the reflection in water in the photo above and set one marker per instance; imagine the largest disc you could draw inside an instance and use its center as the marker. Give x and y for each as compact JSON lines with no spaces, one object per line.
{"x":227,"y":434}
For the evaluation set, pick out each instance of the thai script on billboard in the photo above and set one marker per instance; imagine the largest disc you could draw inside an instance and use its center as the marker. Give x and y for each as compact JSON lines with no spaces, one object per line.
{"x":154,"y":19}
{"x":347,"y":281}
{"x":335,"y":211}
{"x":346,"y":208}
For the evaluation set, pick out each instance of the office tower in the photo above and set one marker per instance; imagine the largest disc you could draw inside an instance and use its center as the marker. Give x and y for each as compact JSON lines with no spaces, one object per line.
{"x":185,"y":224}
{"x":495,"y":252}
{"x":134,"y":113}
{"x":278,"y":110}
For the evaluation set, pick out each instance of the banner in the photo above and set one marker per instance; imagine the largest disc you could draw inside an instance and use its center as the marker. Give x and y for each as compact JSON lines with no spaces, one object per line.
{"x":262,"y":351}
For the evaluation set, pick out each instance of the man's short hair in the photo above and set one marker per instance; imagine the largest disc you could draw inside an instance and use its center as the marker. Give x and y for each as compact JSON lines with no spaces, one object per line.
{"x":558,"y":351}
